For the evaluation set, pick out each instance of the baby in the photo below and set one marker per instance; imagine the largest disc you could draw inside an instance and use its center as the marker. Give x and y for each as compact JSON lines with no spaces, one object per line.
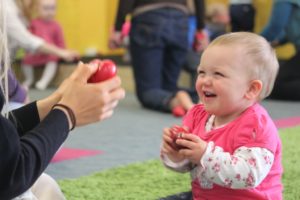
{"x":234,"y":150}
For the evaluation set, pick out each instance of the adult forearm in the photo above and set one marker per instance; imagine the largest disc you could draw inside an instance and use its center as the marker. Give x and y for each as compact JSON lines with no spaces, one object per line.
{"x":50,"y":49}
{"x":45,"y":105}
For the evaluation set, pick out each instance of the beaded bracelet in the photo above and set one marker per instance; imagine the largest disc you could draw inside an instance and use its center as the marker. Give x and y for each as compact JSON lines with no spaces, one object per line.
{"x":70,"y":113}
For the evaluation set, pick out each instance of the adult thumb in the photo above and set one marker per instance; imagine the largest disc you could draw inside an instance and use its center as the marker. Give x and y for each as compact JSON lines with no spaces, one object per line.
{"x":84,"y":71}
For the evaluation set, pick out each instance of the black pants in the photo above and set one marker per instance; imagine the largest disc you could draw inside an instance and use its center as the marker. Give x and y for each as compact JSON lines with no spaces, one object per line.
{"x":242,"y":17}
{"x":287,"y":84}
{"x":180,"y":196}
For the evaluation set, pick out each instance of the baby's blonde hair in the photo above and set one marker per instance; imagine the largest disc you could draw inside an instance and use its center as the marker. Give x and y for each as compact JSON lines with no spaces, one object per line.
{"x":261,"y":56}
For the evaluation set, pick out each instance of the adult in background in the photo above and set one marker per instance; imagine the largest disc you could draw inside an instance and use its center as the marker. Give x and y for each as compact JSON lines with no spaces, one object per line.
{"x":19,"y":14}
{"x":158,"y":47}
{"x":283,"y":27}
{"x":242,"y":14}
{"x":49,"y":29}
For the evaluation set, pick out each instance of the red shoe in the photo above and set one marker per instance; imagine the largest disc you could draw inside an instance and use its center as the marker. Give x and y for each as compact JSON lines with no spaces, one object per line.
{"x":178,"y":111}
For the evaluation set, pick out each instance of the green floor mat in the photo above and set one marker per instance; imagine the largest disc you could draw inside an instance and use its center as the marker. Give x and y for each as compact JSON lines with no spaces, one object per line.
{"x":150,"y":180}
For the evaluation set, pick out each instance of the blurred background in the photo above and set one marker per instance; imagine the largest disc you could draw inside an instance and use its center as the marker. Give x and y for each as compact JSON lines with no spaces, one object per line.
{"x":87,"y":25}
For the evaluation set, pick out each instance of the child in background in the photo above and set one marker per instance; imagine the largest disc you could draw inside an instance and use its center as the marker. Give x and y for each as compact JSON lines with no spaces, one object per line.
{"x":217,"y":20}
{"x":47,"y":28}
{"x":234,"y":150}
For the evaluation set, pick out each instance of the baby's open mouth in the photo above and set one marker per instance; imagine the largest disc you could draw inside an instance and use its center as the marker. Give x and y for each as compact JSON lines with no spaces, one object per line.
{"x":209,"y":94}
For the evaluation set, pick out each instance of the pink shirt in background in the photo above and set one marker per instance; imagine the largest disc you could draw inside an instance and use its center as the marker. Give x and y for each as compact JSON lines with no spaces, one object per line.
{"x":52,"y":33}
{"x":254,"y":128}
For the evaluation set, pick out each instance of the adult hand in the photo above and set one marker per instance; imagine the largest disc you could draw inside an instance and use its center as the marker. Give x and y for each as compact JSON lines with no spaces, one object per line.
{"x":90,"y":102}
{"x":115,"y":39}
{"x":167,"y":148}
{"x":69,"y":55}
{"x":65,"y":54}
{"x":195,"y":147}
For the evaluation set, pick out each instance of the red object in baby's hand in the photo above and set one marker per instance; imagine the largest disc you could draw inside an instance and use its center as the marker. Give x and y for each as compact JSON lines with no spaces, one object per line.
{"x":176,"y":132}
{"x":106,"y":70}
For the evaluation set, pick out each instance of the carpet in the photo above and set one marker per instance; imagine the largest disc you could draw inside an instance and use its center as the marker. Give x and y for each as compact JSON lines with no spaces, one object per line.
{"x":287,"y":122}
{"x":151,"y":180}
{"x":69,"y":154}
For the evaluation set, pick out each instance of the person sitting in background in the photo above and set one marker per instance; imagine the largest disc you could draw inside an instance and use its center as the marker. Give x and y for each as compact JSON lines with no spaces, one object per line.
{"x":217,"y":20}
{"x":44,"y":26}
{"x":158,"y":48}
{"x":19,"y":13}
{"x":283,"y":27}
{"x":216,"y":24}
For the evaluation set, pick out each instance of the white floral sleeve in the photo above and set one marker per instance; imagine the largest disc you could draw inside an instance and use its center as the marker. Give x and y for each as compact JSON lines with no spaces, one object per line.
{"x":246,"y":168}
{"x":183,"y":166}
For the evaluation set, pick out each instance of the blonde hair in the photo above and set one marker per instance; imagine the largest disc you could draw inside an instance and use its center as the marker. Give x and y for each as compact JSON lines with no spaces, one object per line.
{"x":261,"y":56}
{"x":29,"y":11}
{"x":4,"y":54}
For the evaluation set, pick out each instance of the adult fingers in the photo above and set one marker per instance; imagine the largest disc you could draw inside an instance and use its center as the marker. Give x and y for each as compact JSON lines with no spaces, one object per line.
{"x":110,"y":106}
{"x":109,"y":84}
{"x":106,"y":114}
{"x":83,"y":72}
{"x":117,"y":94}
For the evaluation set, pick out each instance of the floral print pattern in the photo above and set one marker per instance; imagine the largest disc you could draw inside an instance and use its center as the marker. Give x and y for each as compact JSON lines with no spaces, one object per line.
{"x":246,"y":168}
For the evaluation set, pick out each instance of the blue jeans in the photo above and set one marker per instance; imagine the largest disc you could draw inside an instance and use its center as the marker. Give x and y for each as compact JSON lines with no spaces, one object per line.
{"x":158,"y":46}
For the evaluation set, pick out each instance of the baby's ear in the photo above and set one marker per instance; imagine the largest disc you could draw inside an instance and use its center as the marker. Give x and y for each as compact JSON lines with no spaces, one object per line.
{"x":254,"y":90}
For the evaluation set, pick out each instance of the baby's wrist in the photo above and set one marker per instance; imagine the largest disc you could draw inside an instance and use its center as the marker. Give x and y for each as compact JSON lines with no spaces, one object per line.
{"x":208,"y":148}
{"x":176,"y":159}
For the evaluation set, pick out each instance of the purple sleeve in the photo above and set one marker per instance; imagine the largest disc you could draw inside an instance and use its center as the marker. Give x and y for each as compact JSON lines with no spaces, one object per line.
{"x":15,"y":91}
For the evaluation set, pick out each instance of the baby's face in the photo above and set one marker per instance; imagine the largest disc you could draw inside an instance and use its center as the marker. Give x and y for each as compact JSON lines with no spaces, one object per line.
{"x":47,"y":9}
{"x":223,"y":80}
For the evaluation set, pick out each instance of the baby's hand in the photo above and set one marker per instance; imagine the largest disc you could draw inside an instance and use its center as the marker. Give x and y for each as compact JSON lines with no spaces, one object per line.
{"x":176,"y":132}
{"x":167,"y":147}
{"x":195,"y":147}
